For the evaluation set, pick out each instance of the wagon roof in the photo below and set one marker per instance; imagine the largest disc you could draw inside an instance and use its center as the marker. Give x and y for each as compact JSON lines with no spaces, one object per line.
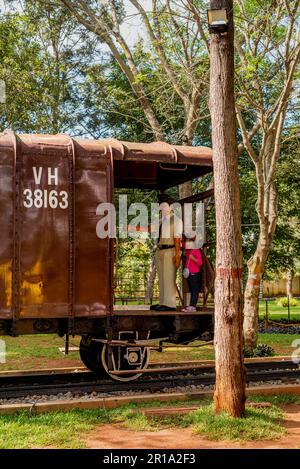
{"x":160,"y":152}
{"x":131,"y":151}
{"x":145,"y":165}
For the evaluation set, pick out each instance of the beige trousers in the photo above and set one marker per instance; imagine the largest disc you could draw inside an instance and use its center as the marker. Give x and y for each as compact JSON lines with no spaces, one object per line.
{"x":166,"y":272}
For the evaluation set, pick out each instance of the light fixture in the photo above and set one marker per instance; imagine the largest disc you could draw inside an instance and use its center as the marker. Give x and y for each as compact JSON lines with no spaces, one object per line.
{"x":217,"y":20}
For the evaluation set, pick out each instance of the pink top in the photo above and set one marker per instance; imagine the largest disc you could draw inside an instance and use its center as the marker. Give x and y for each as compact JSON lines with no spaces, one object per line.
{"x":194,"y":267}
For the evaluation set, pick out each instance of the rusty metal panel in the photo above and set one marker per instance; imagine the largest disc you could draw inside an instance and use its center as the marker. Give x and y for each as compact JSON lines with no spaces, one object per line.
{"x":7,"y":152}
{"x":52,"y":264}
{"x":93,"y":260}
{"x":44,"y":228}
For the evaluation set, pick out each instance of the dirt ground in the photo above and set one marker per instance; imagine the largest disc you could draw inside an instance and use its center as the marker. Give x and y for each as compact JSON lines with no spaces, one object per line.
{"x":116,"y":437}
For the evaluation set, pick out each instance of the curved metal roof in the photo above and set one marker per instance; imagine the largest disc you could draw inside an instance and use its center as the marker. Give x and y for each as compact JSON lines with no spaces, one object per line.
{"x":145,"y":165}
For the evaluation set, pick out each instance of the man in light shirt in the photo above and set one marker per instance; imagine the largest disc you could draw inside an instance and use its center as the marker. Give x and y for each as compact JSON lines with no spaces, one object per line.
{"x":167,"y":255}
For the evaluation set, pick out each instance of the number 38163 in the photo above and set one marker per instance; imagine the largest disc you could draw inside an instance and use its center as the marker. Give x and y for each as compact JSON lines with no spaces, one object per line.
{"x":43,"y":198}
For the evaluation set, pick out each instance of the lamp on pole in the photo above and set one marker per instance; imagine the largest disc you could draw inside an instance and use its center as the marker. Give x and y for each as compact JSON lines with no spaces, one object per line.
{"x":217,"y":20}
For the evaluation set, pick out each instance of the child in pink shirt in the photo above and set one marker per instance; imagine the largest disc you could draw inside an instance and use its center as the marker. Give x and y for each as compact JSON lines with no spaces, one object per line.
{"x":193,"y":262}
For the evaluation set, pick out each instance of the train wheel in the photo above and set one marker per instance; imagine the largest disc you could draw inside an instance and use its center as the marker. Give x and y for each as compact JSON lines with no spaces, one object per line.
{"x":124,"y":359}
{"x":90,"y":354}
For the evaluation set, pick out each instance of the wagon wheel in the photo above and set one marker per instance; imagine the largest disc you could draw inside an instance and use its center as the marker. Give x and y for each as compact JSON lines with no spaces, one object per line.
{"x":90,"y":354}
{"x":126,"y":358}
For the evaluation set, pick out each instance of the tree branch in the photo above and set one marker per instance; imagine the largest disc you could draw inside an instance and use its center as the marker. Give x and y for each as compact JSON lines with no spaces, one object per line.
{"x":245,"y":136}
{"x":96,"y":25}
{"x":156,"y":42}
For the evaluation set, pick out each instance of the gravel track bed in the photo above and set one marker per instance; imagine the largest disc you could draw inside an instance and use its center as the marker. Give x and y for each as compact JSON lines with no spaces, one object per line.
{"x":69,"y":396}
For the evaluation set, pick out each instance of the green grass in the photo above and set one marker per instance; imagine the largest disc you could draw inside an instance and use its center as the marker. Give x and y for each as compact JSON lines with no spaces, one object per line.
{"x":57,"y":430}
{"x":282,"y":343}
{"x":278,"y":312}
{"x":277,"y":399}
{"x":259,"y":424}
{"x":33,"y":346}
{"x":184,"y":353}
{"x":63,"y":429}
{"x":37,"y":351}
{"x":130,"y":417}
{"x":70,"y":429}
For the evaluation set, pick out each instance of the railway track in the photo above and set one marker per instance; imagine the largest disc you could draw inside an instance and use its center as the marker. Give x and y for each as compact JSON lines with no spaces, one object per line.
{"x":84,"y":382}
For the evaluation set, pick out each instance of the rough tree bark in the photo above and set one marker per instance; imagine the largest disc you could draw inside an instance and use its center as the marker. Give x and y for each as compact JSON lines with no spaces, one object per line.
{"x":229,"y":393}
{"x":256,"y":267}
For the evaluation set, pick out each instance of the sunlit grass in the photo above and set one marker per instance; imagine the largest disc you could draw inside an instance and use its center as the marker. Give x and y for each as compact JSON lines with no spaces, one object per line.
{"x":258,"y":424}
{"x":37,"y":351}
{"x":276,"y":312}
{"x":71,"y":429}
{"x":57,"y":430}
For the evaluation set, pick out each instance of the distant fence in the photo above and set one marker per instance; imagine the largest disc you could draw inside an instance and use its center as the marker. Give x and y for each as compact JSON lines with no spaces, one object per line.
{"x":289,"y":309}
{"x":131,"y":288}
{"x":278,"y":287}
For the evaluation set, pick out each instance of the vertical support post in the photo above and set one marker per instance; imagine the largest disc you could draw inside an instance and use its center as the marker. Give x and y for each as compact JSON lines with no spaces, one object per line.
{"x":204,"y":250}
{"x":110,"y":333}
{"x":109,"y":347}
{"x":16,"y":235}
{"x":71,"y":157}
{"x":229,"y":395}
{"x":184,"y":289}
{"x":267,"y":314}
{"x":289,"y":310}
{"x":67,"y":342}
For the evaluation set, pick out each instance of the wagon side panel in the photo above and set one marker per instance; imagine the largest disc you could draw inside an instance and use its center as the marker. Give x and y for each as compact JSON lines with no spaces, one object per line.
{"x":44,"y":232}
{"x":93,"y":289}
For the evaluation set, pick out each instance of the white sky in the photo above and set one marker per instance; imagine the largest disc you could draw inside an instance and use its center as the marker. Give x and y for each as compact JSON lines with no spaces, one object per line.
{"x":133,"y":29}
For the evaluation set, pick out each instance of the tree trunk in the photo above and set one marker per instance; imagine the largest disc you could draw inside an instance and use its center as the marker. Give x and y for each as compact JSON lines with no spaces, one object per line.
{"x":185,"y":190}
{"x":251,"y":299}
{"x":229,"y":393}
{"x":289,"y":283}
{"x":267,"y":214}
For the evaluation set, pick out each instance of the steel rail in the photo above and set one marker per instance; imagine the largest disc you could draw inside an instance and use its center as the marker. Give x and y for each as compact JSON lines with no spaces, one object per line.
{"x":87,"y":382}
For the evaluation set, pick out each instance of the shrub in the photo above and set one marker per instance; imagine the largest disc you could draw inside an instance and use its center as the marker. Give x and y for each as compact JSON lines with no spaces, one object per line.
{"x":284,"y":302}
{"x":261,"y":350}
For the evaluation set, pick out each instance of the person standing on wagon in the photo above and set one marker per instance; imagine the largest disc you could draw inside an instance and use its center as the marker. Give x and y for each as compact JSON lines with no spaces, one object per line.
{"x":167,"y":255}
{"x":191,"y":271}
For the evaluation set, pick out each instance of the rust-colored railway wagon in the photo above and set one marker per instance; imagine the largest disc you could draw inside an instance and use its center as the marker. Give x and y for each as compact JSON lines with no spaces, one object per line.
{"x":56,"y":274}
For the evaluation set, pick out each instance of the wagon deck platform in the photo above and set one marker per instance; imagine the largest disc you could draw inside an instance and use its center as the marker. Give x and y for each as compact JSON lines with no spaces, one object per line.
{"x":143,"y":310}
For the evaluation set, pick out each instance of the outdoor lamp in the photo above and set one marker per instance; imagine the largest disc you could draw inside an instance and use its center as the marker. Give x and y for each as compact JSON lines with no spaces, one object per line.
{"x":217,"y":21}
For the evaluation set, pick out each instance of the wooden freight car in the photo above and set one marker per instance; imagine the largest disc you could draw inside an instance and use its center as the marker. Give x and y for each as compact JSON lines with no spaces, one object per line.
{"x":56,"y":274}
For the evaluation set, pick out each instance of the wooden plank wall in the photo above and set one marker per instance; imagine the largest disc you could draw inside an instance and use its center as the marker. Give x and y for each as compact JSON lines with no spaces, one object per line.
{"x":278,"y":288}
